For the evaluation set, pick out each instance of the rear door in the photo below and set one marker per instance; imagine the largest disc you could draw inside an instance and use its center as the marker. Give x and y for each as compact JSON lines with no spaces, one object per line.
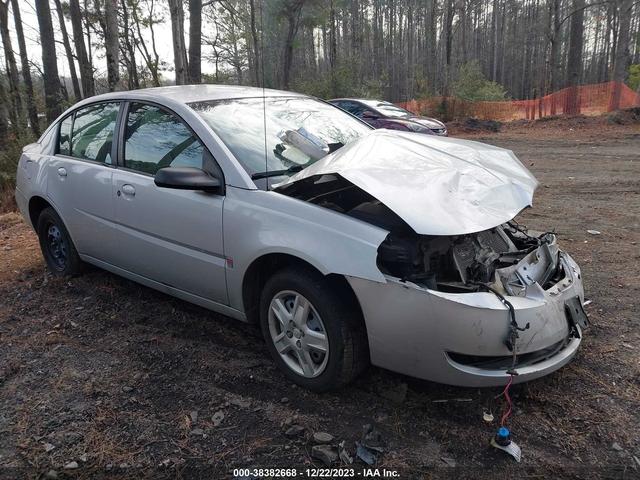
{"x":171,"y":236}
{"x":80,"y":174}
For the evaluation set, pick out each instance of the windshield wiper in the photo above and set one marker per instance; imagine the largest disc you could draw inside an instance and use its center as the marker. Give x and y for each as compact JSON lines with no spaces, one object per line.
{"x":277,"y":173}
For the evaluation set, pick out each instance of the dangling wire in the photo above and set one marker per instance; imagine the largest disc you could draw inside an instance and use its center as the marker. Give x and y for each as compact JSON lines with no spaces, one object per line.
{"x":505,"y":393}
{"x":511,"y":342}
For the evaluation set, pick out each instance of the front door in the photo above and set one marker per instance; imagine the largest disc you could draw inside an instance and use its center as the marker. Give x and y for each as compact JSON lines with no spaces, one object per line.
{"x":171,"y":236}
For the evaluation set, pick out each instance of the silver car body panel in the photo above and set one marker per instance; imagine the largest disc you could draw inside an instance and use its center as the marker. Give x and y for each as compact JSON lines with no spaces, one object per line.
{"x":438,"y":185}
{"x":259,"y":223}
{"x":461,"y":187}
{"x":412,"y":329}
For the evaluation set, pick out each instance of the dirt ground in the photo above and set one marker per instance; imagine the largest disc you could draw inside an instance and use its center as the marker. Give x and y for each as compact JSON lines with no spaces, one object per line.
{"x":117,"y":380}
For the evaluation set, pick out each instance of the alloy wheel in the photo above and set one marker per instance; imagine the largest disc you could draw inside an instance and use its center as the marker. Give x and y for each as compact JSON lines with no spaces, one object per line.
{"x":298,"y":333}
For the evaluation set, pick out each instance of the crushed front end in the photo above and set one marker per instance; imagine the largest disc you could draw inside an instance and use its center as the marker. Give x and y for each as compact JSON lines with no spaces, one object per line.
{"x":469,"y":296}
{"x":471,"y":309}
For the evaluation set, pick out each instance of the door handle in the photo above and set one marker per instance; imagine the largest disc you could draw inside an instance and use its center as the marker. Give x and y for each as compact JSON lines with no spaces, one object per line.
{"x":128,"y":189}
{"x":62,"y":172}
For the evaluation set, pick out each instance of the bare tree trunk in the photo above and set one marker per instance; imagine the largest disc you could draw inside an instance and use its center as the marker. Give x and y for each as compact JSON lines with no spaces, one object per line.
{"x":26,"y":72}
{"x":152,"y":62}
{"x":292,"y":14}
{"x":129,"y":50}
{"x":4,"y":123}
{"x":52,"y":91}
{"x":574,"y":62}
{"x":195,"y":41}
{"x":432,"y":45}
{"x":410,"y":80}
{"x":494,"y":31}
{"x":254,"y":39}
{"x":622,"y":58}
{"x":554,"y":52}
{"x":86,"y":70}
{"x":111,"y":43}
{"x":333,"y":48}
{"x":15,"y":112}
{"x":67,"y":49}
{"x":179,"y":51}
{"x":448,"y":37}
{"x":355,"y":40}
{"x":86,"y":24}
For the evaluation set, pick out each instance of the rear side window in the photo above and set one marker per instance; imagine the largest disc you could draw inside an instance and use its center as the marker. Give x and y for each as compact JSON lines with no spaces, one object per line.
{"x":64,"y":140}
{"x":354,"y":108}
{"x":156,"y":138}
{"x":92,"y":134}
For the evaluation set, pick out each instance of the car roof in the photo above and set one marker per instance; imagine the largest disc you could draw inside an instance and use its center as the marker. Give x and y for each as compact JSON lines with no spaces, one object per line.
{"x":192,"y":93}
{"x":366,"y":101}
{"x":363,"y":100}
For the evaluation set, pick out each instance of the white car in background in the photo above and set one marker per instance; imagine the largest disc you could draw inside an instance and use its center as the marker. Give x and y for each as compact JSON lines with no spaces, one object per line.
{"x":348,"y":246}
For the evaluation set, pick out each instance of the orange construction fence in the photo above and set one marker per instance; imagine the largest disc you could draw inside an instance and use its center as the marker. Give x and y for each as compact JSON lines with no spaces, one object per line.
{"x":593,"y":99}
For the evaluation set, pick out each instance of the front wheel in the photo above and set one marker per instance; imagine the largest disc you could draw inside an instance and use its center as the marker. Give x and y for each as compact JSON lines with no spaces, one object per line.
{"x":56,"y":245}
{"x":315,"y":335}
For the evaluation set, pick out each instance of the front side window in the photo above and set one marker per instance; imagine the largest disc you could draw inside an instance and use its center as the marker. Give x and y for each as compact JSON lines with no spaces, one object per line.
{"x":92,"y":134}
{"x":156,"y":138}
{"x":64,"y":140}
{"x":299,"y":130}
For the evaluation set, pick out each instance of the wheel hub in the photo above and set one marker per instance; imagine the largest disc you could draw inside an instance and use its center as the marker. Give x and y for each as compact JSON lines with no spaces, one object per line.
{"x":57,"y":246}
{"x":298,"y":333}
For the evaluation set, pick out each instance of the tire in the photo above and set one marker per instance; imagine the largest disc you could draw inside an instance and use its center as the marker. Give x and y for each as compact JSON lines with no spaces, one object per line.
{"x":331,"y":314}
{"x":58,"y":249}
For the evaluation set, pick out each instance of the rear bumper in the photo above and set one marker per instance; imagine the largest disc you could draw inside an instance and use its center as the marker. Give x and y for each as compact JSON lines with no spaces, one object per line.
{"x":433,"y":335}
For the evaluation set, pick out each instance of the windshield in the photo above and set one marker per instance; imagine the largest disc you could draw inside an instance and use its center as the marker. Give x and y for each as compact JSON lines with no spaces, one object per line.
{"x":389,"y":110}
{"x":299,"y":130}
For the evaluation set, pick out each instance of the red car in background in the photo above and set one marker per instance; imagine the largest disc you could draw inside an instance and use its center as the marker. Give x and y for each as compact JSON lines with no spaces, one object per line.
{"x":381,"y":114}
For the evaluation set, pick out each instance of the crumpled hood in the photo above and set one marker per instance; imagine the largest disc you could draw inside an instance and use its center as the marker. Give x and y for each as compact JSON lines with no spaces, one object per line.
{"x":438,"y":186}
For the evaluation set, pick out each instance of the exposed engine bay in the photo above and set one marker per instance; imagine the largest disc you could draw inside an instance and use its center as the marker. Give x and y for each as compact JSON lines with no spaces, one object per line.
{"x":506,"y":258}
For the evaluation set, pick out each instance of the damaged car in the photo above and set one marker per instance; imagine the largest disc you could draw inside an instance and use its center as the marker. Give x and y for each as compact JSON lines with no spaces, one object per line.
{"x":381,"y":114}
{"x":348,"y":246}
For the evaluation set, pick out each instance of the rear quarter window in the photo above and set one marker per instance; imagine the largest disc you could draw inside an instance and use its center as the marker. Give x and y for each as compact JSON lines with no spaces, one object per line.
{"x":64,"y":139}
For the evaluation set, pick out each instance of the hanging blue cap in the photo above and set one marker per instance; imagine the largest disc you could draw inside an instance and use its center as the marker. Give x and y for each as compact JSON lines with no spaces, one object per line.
{"x":503,"y":432}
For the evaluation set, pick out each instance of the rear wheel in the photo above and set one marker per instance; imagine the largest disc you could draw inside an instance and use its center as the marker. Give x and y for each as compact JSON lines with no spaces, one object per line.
{"x":56,"y":245}
{"x":315,"y":335}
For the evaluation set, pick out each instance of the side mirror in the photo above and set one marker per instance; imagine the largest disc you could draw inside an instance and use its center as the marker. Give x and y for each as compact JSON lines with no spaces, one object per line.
{"x":187,"y":178}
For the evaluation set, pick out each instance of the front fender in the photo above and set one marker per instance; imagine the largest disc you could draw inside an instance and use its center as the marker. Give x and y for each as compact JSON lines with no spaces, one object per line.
{"x":257,"y":223}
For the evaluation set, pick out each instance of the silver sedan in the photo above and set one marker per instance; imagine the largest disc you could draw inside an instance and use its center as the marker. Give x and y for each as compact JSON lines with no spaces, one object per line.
{"x":347,"y":246}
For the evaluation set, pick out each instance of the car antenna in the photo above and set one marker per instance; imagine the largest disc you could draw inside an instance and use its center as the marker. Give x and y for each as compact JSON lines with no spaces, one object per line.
{"x":264,"y":97}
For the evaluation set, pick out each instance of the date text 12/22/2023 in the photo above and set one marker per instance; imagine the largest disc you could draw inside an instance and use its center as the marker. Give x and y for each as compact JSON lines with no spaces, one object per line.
{"x":277,"y":473}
